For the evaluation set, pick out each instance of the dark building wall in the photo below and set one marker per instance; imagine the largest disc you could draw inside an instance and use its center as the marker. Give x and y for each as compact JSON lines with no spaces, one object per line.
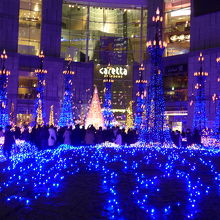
{"x":9,"y":16}
{"x":202,"y":7}
{"x":205,"y":30}
{"x":51,"y":27}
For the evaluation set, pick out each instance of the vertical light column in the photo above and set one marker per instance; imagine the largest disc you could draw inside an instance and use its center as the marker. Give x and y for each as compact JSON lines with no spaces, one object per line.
{"x":217,"y":117}
{"x":200,"y":118}
{"x":154,"y":121}
{"x":107,"y":110}
{"x":4,"y":73}
{"x":66,"y":115}
{"x":40,"y":100}
{"x":140,"y":99}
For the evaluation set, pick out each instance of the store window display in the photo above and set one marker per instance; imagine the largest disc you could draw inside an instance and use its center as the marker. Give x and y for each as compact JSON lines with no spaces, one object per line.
{"x":177,"y":26}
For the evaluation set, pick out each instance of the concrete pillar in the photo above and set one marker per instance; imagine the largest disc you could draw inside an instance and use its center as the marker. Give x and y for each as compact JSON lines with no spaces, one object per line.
{"x":51,"y":27}
{"x":9,"y":18}
{"x":54,"y":84}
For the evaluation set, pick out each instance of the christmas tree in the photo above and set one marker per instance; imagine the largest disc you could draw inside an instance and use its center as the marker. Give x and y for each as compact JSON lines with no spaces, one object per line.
{"x":217,"y":117}
{"x":94,"y":116}
{"x":3,"y":91}
{"x":51,"y":119}
{"x":66,"y":116}
{"x":129,"y":118}
{"x":109,"y":118}
{"x":155,"y":113}
{"x":39,"y":119}
{"x":12,"y":114}
{"x":141,"y":99}
{"x":200,"y":119}
{"x":41,"y":84}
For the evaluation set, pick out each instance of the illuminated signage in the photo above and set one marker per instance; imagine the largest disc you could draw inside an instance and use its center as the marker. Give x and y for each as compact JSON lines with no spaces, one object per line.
{"x":182,"y":37}
{"x":114,"y":72}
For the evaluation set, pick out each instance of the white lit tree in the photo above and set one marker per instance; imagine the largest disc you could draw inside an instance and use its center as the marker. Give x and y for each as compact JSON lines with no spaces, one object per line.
{"x":129,"y":117}
{"x":40,"y":120}
{"x":51,"y":119}
{"x":95,"y":116}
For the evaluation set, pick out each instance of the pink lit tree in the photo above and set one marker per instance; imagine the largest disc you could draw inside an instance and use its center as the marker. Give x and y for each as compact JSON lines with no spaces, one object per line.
{"x":94,"y":116}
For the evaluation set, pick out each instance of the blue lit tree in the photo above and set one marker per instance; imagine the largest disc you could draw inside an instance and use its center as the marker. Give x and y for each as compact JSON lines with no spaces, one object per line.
{"x":41,"y":83}
{"x":66,"y":115}
{"x":4,"y":117}
{"x":107,"y":106}
{"x":217,"y":117}
{"x":140,"y":99}
{"x":154,"y":123}
{"x":200,"y":118}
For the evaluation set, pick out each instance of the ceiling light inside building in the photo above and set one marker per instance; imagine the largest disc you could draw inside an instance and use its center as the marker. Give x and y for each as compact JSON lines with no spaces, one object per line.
{"x":181,"y":12}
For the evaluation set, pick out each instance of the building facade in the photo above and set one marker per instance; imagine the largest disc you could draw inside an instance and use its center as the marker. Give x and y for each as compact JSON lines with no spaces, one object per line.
{"x":97,"y":34}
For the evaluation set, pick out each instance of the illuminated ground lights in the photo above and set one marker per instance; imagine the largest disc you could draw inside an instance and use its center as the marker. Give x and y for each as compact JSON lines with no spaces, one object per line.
{"x":144,"y":182}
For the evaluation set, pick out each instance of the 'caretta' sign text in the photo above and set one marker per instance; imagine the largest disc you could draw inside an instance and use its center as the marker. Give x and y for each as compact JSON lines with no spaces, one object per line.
{"x":114,"y":72}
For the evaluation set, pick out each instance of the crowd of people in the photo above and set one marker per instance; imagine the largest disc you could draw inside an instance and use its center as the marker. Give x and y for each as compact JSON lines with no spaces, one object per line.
{"x":186,"y":138}
{"x":50,"y":137}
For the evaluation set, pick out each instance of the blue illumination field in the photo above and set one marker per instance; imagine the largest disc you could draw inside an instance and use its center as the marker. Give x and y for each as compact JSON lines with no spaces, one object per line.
{"x":111,"y":183}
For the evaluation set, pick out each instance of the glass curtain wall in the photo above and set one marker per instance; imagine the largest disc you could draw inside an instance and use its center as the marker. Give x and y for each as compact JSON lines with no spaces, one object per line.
{"x":80,"y":30}
{"x":30,"y":16}
{"x":177,"y":26}
{"x":27,"y":87}
{"x":73,"y":39}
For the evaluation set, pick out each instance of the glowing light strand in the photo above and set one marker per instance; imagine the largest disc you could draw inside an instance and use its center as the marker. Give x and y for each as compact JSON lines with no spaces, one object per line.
{"x":43,"y":172}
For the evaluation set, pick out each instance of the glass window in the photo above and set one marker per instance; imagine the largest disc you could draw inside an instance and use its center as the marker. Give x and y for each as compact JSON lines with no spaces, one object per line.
{"x":24,"y":119}
{"x":175,"y":88}
{"x":73,"y":39}
{"x":30,"y":26}
{"x":115,"y":24}
{"x":177,"y":26}
{"x":27,"y":87}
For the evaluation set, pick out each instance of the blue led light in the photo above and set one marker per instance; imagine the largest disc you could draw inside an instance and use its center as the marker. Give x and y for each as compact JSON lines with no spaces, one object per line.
{"x":43,"y":173}
{"x":107,"y":106}
{"x":154,"y":121}
{"x":200,"y":117}
{"x":4,"y":117}
{"x":66,"y":115}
